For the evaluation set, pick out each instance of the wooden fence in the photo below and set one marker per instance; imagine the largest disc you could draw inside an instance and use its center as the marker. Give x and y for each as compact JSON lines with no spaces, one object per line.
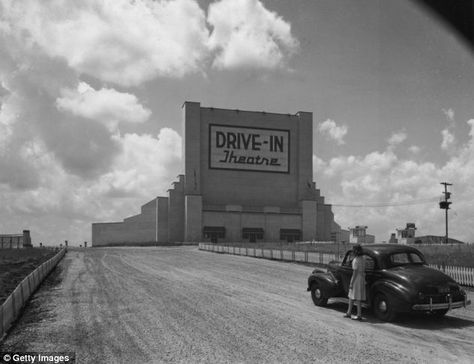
{"x":462,"y":275}
{"x":10,"y":309}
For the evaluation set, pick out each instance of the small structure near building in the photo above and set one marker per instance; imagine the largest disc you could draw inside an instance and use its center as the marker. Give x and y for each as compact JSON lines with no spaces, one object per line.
{"x":406,"y":235}
{"x":11,"y":241}
{"x":358,"y":235}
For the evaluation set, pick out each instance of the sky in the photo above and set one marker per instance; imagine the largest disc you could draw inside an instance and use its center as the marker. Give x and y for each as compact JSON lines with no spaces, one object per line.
{"x":91,"y":96}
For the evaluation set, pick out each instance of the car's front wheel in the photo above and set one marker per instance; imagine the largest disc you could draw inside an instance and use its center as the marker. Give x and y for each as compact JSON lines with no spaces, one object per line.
{"x":317,"y":295}
{"x":383,"y":308}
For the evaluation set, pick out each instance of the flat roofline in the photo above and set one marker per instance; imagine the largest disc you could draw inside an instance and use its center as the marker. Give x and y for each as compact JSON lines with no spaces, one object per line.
{"x":246,"y":111}
{"x":103,"y":223}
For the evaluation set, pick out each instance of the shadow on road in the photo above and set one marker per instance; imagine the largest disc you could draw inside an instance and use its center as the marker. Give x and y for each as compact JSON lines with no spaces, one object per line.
{"x":412,"y":321}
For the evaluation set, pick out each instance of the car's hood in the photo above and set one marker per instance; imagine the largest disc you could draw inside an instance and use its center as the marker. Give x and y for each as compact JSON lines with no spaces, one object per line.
{"x":419,"y":275}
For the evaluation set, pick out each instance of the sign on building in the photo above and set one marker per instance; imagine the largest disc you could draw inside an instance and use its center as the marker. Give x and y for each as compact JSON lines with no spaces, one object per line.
{"x":251,"y":149}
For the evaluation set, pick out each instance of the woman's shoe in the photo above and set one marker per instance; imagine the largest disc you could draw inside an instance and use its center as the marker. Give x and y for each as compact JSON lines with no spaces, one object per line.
{"x":358,"y":318}
{"x":347,"y":315}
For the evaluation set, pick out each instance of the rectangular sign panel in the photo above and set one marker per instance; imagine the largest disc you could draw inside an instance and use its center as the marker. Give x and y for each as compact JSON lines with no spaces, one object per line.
{"x":250,"y":149}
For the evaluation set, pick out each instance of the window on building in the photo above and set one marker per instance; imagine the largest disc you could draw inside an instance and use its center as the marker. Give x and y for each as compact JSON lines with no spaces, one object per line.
{"x":290,"y":235}
{"x":213,"y":233}
{"x":252,"y":234}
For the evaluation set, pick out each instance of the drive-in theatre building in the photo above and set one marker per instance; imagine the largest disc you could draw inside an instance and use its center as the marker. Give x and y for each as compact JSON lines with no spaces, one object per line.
{"x":248,"y":176}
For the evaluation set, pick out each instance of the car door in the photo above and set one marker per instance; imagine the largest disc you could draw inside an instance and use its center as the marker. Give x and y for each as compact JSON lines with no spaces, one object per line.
{"x":346,"y":270}
{"x":370,"y":275}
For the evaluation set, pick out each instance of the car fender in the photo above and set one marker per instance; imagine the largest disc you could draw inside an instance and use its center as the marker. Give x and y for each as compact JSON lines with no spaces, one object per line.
{"x":328,"y":283}
{"x":397,"y":293}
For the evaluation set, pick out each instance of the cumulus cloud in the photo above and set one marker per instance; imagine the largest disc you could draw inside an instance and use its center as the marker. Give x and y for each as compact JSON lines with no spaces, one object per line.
{"x":145,"y":160}
{"x":415,"y":149}
{"x":449,"y":113}
{"x":448,"y":139}
{"x":105,"y":105}
{"x":333,"y":131}
{"x":130,"y":42}
{"x":382,"y":180}
{"x":397,"y":138}
{"x":118,"y":41}
{"x":252,"y":36}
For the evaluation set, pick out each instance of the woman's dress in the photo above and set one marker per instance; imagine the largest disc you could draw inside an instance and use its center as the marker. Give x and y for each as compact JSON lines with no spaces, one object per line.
{"x":358,"y":284}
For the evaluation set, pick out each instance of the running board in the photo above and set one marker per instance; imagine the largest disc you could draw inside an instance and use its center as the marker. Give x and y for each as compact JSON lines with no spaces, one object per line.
{"x":346,"y":300}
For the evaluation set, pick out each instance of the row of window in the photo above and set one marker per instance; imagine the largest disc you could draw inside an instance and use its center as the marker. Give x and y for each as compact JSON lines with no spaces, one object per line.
{"x":252,"y":234}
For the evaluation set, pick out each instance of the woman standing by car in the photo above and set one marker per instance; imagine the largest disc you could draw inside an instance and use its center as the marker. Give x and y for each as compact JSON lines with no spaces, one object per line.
{"x":357,"y":284}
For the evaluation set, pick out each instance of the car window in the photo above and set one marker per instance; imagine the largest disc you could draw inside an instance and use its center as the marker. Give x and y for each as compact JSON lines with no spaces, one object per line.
{"x":348,"y":259}
{"x":404,"y":258}
{"x":369,"y":263}
{"x":399,"y":258}
{"x":415,"y":258}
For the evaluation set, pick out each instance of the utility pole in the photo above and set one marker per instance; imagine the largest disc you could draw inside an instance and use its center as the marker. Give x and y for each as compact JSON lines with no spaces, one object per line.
{"x":445,"y":205}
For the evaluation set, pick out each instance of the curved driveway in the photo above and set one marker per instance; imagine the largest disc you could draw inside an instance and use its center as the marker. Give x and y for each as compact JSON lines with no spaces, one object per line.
{"x":154,"y":305}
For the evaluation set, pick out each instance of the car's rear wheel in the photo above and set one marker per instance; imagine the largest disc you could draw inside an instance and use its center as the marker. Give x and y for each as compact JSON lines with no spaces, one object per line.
{"x":383,"y":308}
{"x":317,"y":295}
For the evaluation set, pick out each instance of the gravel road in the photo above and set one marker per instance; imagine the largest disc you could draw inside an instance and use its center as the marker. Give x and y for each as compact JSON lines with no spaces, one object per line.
{"x":154,"y":305}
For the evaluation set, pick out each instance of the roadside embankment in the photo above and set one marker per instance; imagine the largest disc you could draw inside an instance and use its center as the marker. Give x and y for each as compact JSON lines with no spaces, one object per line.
{"x":10,"y":309}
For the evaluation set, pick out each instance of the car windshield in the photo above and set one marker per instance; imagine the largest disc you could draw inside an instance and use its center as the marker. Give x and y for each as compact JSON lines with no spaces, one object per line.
{"x":404,"y":258}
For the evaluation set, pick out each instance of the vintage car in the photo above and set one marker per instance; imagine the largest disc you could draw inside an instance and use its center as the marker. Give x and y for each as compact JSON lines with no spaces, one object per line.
{"x":398,"y":281}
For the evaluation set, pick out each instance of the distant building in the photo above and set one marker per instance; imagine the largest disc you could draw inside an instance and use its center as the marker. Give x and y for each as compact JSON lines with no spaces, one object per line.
{"x":358,"y":235}
{"x":11,"y":241}
{"x":433,"y":239}
{"x":393,"y":239}
{"x":339,"y":235}
{"x":407,"y":235}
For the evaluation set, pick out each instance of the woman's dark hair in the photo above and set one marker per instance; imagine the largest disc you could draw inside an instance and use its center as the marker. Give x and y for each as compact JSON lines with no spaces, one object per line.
{"x":357,"y":250}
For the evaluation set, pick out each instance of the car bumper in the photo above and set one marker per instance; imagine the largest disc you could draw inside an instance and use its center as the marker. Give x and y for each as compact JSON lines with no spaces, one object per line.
{"x":441,"y":306}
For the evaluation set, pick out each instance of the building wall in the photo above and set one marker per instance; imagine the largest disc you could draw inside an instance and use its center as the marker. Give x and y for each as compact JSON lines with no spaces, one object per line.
{"x":176,"y":211}
{"x":162,"y":220}
{"x":250,"y":188}
{"x":140,"y":228}
{"x":235,"y":221}
{"x":12,"y":241}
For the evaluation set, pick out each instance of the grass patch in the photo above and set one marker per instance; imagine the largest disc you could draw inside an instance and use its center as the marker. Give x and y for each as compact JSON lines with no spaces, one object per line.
{"x":16,"y":264}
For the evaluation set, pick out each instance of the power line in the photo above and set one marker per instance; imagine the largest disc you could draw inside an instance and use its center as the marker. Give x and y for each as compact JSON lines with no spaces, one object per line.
{"x":388,"y":204}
